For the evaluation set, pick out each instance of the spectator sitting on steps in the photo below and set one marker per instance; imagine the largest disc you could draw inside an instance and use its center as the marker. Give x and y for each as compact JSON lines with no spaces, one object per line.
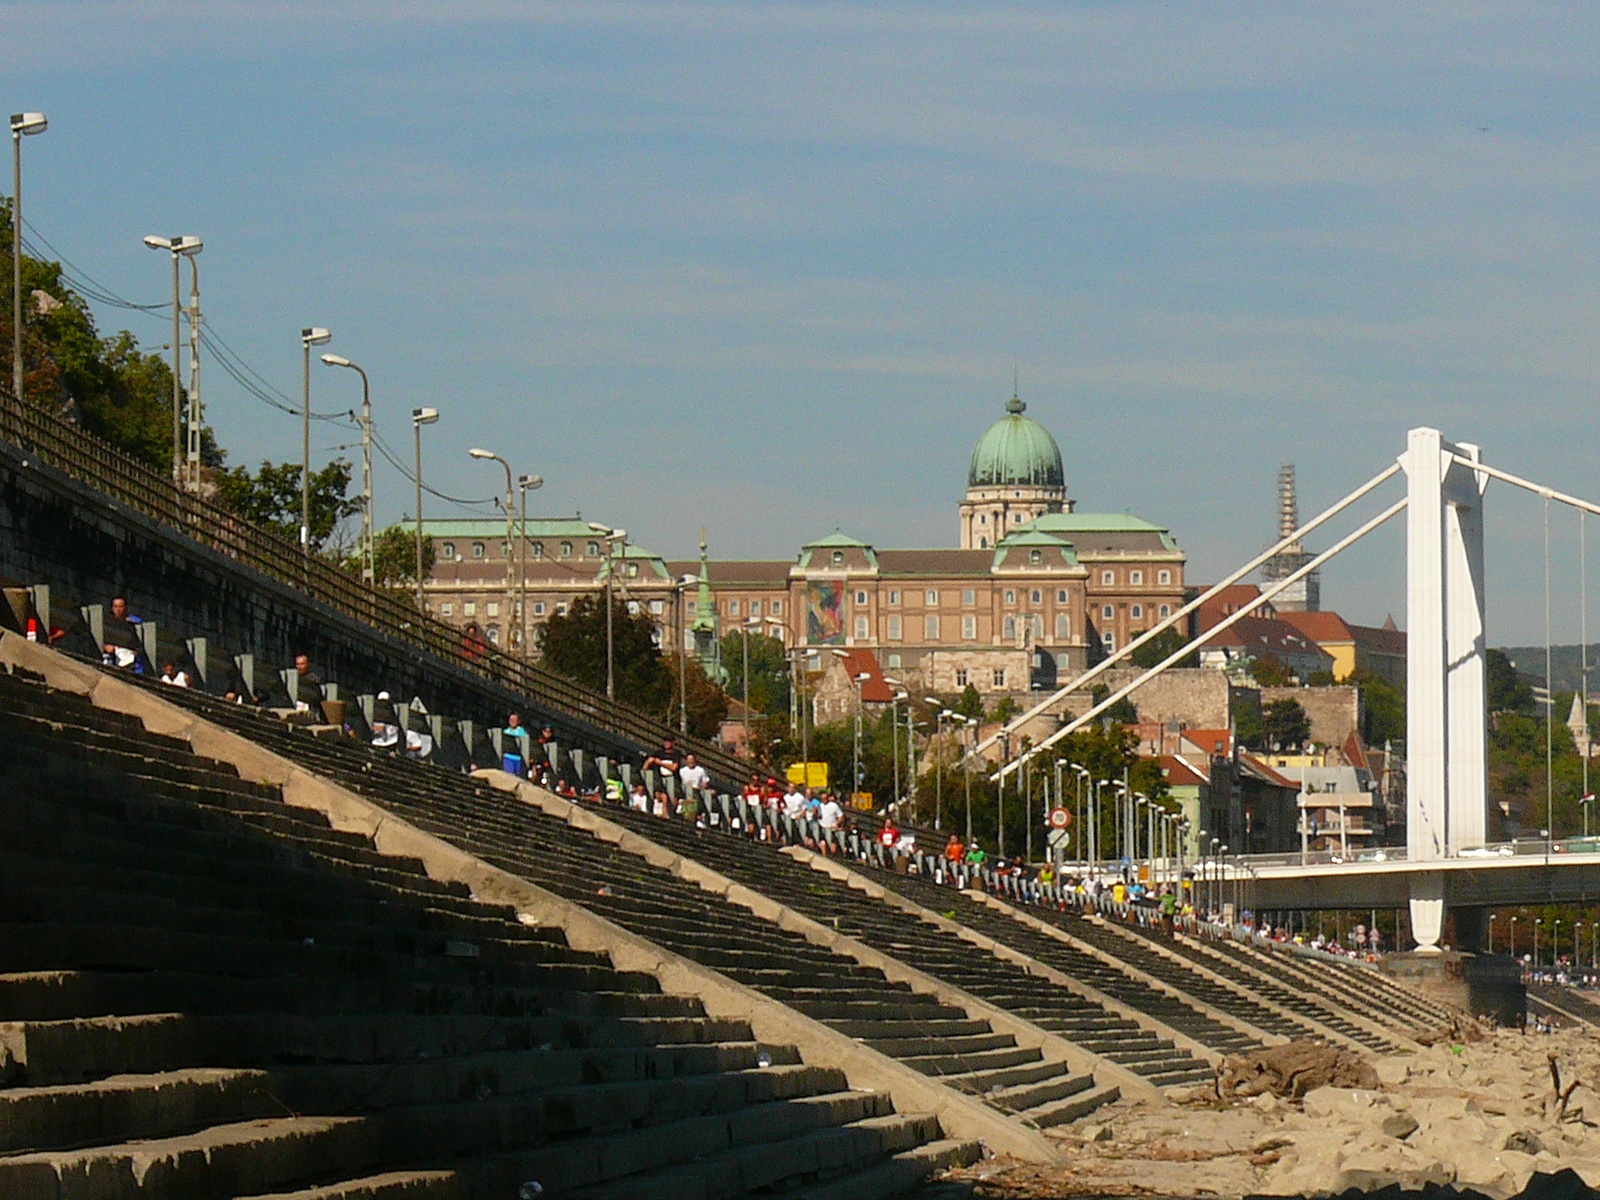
{"x":639,"y":798}
{"x":308,"y":693}
{"x":123,"y":647}
{"x":473,"y":647}
{"x":514,"y":747}
{"x":693,"y":776}
{"x":667,"y":758}
{"x":385,"y":725}
{"x":170,"y":674}
{"x":954,"y":851}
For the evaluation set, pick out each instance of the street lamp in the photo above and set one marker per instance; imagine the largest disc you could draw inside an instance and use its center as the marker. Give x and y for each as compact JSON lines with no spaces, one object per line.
{"x":966,"y":771}
{"x":419,"y":418}
{"x":939,"y":714}
{"x":1490,"y":950}
{"x":311,"y":336}
{"x":612,"y":536}
{"x":1513,"y":936}
{"x":687,"y":581}
{"x":369,"y":573}
{"x":525,"y":484}
{"x":25,"y":124}
{"x":1537,"y":921}
{"x":511,"y":535}
{"x":178,"y":247}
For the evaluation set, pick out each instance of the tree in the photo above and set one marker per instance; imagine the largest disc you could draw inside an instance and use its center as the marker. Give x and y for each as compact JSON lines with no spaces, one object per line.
{"x":970,"y":704}
{"x":705,"y":704}
{"x":1268,"y":670}
{"x":1383,"y":709}
{"x":575,"y":645}
{"x":1006,"y":708}
{"x":769,"y":672}
{"x":1123,"y":712}
{"x":1157,"y":649}
{"x":271,"y":497}
{"x":394,"y":557}
{"x":1283,"y":723}
{"x":1507,"y":691}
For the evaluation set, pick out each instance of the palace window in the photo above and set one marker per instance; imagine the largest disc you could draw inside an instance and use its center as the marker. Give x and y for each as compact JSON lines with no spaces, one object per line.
{"x":861,"y":629}
{"x":1063,"y":627}
{"x":1037,"y":623}
{"x":894,"y":662}
{"x":1000,"y":677}
{"x":930,"y":627}
{"x":537,"y":548}
{"x":592,"y":549}
{"x":633,"y":571}
{"x":777,"y":607}
{"x":566,"y":549}
{"x":1137,"y":612}
{"x":894,"y":599}
{"x":1163,"y":576}
{"x":932,"y":598}
{"x":538,"y":608}
{"x":633,"y":608}
{"x":838,"y":558}
{"x":969,"y":628}
{"x":561,"y":609}
{"x":1038,"y":596}
{"x":961,"y":677}
{"x":1107,"y":578}
{"x":894,"y":628}
{"x":755,"y":608}
{"x":1011,"y":596}
{"x":448,"y":550}
{"x":1107,"y":613}
{"x":492,"y":609}
{"x":1136,"y":577}
{"x":505,"y":549}
{"x":1108,"y":640}
{"x":861,"y":599}
{"x":1061,"y":595}
{"x":1035,"y":557}
{"x":1063,"y":660}
{"x":477,"y":549}
{"x":469,"y":609}
{"x":733,"y":608}
{"x":1016,"y":518}
{"x":969,"y":596}
{"x":656,"y":608}
{"x":494,"y":634}
{"x":447,"y":609}
{"x":1166,"y":610}
{"x":1010,"y":628}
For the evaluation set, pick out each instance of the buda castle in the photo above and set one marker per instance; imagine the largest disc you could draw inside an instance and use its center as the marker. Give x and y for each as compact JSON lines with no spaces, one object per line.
{"x":1034,"y":590}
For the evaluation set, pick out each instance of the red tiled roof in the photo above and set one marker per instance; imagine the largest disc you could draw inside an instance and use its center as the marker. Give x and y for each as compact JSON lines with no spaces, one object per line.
{"x":1262,"y":634}
{"x":1262,"y":771}
{"x":1180,"y":771}
{"x":1324,"y":628}
{"x":1384,"y":641}
{"x":1355,"y":753}
{"x":1210,"y":741}
{"x":873,"y":689}
{"x":1229,"y":601}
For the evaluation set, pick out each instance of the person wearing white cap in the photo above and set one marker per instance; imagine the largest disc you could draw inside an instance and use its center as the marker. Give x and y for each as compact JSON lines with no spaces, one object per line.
{"x":385,"y":727}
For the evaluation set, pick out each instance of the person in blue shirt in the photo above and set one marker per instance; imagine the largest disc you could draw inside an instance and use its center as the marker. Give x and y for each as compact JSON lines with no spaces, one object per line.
{"x":514,"y":747}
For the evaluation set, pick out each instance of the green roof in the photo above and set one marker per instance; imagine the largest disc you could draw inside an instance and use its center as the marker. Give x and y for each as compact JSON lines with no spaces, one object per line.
{"x":1093,"y":523}
{"x":1016,"y":451}
{"x":835,"y":540}
{"x":1035,"y":539}
{"x":482,"y":527}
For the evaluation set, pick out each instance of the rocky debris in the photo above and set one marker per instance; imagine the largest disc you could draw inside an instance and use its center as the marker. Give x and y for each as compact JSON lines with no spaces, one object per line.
{"x":1292,"y":1070}
{"x":1401,"y":1126}
{"x":1462,"y":1030}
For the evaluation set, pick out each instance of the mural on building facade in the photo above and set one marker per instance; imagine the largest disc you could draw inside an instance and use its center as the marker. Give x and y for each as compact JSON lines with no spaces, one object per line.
{"x":825,"y":613}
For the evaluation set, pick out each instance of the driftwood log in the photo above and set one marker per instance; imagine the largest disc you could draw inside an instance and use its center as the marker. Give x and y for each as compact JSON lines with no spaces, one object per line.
{"x":1292,"y":1070}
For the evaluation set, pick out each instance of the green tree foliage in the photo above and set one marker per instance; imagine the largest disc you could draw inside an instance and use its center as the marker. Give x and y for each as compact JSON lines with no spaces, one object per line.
{"x":1282,"y":723}
{"x":394,"y":557}
{"x":1383,"y":709}
{"x":1268,"y":670}
{"x":705,"y":704}
{"x":1508,"y":691}
{"x":574,"y":644}
{"x":108,"y":385}
{"x":1123,"y":712}
{"x":1156,"y":650}
{"x":271,"y":498}
{"x":769,"y":672}
{"x":1006,"y":708}
{"x":970,"y":704}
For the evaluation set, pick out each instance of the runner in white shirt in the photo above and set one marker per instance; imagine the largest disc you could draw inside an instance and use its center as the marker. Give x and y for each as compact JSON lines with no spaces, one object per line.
{"x":694,"y":777}
{"x":794,"y":802}
{"x":832,"y":813}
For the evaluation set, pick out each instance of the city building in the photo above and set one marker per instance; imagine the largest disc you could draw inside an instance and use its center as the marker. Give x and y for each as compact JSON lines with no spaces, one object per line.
{"x":1034,"y":588}
{"x":1305,"y":593}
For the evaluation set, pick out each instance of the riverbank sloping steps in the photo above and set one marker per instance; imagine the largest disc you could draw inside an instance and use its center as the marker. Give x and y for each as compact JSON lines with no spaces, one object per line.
{"x":956,"y":1045}
{"x":205,"y":992}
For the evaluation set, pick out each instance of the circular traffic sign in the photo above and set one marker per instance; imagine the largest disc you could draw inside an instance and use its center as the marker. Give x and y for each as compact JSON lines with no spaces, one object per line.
{"x":1060,"y":818}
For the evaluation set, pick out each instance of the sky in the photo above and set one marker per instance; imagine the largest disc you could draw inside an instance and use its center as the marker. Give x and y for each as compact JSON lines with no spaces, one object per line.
{"x":767,"y":269}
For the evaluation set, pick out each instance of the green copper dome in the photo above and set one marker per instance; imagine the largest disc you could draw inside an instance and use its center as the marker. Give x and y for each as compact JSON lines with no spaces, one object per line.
{"x":1016,"y":450}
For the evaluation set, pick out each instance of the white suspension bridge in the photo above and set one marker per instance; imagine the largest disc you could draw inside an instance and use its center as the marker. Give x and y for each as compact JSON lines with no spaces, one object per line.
{"x":1447,"y":861}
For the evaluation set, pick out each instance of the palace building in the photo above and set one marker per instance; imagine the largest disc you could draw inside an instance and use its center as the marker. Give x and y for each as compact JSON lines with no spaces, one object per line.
{"x":1033,"y":590}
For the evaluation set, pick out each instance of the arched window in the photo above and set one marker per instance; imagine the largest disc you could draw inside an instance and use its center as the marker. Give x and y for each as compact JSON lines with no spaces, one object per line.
{"x":1038,"y":596}
{"x":566,"y":549}
{"x":1063,"y":626}
{"x":536,"y":549}
{"x":838,"y":558}
{"x":1010,"y":628}
{"x":593,"y":550}
{"x":447,"y":550}
{"x":1035,"y":557}
{"x":477,"y":549}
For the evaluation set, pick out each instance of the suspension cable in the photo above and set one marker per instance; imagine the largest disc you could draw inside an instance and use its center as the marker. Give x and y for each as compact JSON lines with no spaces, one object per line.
{"x":1549,"y":696}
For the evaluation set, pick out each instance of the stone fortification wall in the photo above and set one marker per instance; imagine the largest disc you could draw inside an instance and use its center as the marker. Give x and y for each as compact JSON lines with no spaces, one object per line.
{"x":1335,"y":712}
{"x":1199,"y":698}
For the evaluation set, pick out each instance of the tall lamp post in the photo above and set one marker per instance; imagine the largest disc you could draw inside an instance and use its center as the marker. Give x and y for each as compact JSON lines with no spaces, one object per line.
{"x":313,"y":335}
{"x":511,"y":535}
{"x":613,"y":536}
{"x":369,"y":572}
{"x":525,"y":484}
{"x":177,"y":247}
{"x":1513,"y":938}
{"x":1537,"y":921}
{"x":1490,"y":950}
{"x":26,"y":124}
{"x":966,"y":771}
{"x":419,"y":418}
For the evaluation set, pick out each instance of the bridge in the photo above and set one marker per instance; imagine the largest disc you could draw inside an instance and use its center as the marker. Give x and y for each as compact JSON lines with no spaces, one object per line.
{"x":1447,"y":861}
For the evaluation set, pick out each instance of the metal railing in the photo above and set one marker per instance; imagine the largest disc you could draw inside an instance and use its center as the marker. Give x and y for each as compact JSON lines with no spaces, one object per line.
{"x":98,"y":465}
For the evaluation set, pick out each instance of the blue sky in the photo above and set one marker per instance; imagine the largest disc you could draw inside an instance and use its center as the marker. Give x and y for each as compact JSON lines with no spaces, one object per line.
{"x":767,"y":268}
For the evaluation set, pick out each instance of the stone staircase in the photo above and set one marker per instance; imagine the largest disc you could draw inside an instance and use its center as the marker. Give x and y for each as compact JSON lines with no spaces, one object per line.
{"x":946,"y":956}
{"x":1564,"y":1002}
{"x":205,"y":992}
{"x":935,"y":1037}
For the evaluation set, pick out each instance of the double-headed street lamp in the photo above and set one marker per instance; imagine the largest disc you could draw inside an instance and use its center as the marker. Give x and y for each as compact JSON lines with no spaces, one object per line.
{"x":313,"y":335}
{"x":940,"y":713}
{"x":25,"y":124}
{"x":613,"y":538}
{"x":369,"y":573}
{"x":419,"y":418}
{"x":180,"y":247}
{"x":511,"y":537}
{"x":525,"y":484}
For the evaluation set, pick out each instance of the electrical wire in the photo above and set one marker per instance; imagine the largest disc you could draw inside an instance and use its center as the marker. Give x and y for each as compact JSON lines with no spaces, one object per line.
{"x":410,"y":477}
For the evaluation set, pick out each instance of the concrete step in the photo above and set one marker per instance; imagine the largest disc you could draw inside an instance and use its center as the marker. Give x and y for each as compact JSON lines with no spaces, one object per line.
{"x":124,"y":1107}
{"x":1072,"y":1108}
{"x":391,"y":1185}
{"x":1022,"y":1096}
{"x":896,"y":1175}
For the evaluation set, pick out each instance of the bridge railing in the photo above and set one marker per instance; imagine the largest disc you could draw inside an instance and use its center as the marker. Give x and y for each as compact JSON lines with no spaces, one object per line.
{"x":98,"y":465}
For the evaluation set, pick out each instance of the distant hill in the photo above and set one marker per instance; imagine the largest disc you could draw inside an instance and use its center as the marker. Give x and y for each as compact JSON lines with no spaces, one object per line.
{"x":1564,"y":665}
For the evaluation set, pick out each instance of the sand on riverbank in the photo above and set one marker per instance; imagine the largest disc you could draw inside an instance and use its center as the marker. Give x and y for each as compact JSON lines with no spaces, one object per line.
{"x":1484,"y":1115}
